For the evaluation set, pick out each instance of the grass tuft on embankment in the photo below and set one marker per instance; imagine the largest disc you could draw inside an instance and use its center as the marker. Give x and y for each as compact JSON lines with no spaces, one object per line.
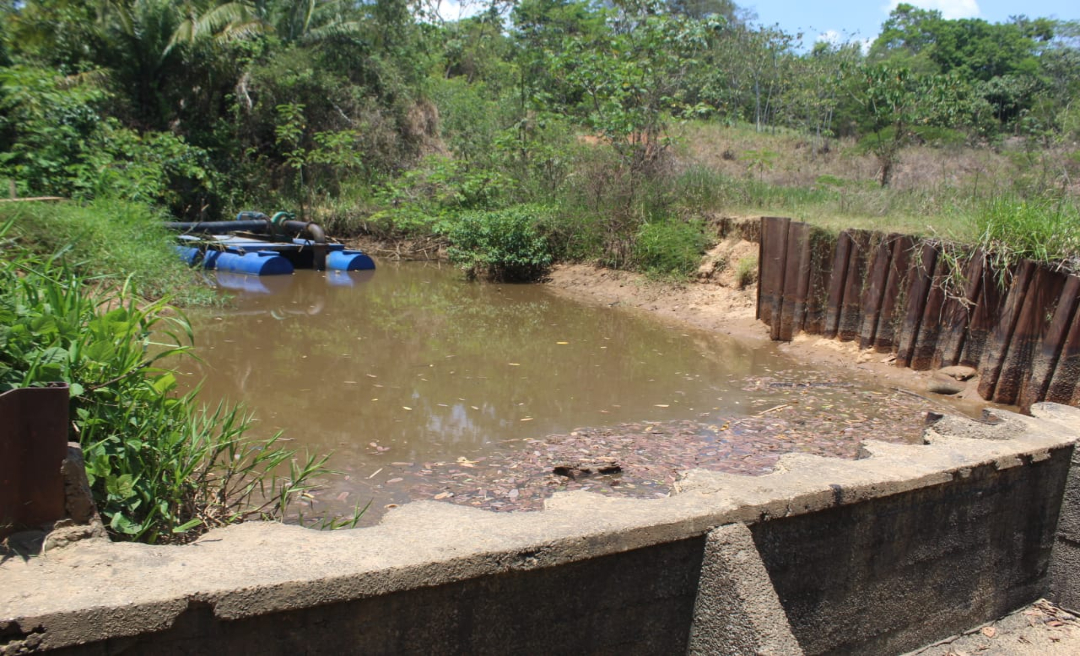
{"x":108,"y":238}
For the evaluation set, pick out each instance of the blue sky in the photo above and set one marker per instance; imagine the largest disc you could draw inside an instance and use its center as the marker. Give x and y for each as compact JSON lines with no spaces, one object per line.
{"x":862,"y":19}
{"x":847,"y":20}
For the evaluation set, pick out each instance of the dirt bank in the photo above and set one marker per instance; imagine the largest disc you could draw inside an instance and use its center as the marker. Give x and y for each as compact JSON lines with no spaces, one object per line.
{"x":715,"y":302}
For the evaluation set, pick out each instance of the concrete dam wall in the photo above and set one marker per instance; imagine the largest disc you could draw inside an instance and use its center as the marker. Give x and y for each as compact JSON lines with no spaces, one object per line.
{"x":879,"y":555}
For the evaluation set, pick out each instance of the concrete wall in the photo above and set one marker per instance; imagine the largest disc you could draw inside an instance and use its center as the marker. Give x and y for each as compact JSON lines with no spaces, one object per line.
{"x":878,"y":555}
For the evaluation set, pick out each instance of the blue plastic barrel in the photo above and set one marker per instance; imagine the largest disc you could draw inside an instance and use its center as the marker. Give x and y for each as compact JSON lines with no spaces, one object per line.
{"x":345,"y":260}
{"x":189,"y":254}
{"x":256,"y":263}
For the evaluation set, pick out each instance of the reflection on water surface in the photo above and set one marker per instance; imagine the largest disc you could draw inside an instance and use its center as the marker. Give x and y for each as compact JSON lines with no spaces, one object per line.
{"x":411,"y":364}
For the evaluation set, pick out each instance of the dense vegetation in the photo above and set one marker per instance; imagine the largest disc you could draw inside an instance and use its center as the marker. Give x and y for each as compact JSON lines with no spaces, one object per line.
{"x":611,"y":121}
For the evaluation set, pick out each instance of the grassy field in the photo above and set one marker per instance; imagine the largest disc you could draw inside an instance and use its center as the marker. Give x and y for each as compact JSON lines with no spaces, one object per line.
{"x":1007,"y":197}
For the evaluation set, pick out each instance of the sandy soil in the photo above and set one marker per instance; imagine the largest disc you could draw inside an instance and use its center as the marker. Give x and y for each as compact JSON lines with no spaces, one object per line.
{"x":1041,"y":628}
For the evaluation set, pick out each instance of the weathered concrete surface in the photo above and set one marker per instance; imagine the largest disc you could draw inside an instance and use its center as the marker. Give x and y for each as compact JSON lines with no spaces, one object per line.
{"x":589,"y":573}
{"x":737,"y":611}
{"x":1065,"y":564}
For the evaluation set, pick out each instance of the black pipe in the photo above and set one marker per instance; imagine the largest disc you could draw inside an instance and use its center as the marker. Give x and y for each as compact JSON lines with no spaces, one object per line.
{"x":316,"y":234}
{"x":220,"y":227}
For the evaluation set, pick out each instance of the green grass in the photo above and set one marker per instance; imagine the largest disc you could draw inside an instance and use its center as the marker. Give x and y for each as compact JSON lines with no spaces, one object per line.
{"x":110,"y":238}
{"x":1041,"y":229}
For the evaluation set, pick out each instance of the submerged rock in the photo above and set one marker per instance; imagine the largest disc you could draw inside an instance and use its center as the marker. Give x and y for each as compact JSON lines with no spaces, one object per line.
{"x":958,"y":372}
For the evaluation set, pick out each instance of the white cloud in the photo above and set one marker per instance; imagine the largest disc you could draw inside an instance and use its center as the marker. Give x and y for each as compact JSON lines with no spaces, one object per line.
{"x":829,"y":36}
{"x":836,"y":38}
{"x":950,"y":9}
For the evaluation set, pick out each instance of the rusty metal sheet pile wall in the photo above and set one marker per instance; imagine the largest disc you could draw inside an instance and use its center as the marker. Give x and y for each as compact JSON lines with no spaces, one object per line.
{"x":928,"y":303}
{"x":33,"y":445}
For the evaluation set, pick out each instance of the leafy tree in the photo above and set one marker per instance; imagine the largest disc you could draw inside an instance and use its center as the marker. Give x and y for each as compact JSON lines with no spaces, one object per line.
{"x":899,"y":102}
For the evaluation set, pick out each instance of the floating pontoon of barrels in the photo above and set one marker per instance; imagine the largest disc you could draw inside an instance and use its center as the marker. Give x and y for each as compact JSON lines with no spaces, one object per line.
{"x":259,"y":245}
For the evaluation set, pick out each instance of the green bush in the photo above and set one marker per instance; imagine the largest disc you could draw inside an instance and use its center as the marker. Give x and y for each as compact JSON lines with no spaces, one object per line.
{"x":672,"y":248}
{"x":160,"y":468}
{"x":55,"y":140}
{"x":505,"y":245}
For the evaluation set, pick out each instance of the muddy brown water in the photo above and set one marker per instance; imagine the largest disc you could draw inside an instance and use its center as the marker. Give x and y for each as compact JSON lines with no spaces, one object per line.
{"x":424,"y":385}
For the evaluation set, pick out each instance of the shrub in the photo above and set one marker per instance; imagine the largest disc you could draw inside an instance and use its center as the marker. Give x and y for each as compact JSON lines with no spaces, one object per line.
{"x":672,"y":248}
{"x":160,"y":468}
{"x":505,"y":245}
{"x":746,"y":271}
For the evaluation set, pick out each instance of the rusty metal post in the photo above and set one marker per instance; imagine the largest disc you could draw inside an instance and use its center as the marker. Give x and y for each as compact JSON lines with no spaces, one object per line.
{"x":33,"y":445}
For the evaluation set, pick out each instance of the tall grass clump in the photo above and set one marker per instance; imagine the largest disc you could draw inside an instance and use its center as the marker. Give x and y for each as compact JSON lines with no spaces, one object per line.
{"x":104,"y":236}
{"x":161,"y":468}
{"x":670,"y":248}
{"x":1041,"y":228}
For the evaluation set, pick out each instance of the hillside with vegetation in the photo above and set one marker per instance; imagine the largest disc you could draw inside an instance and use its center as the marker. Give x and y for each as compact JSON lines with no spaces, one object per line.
{"x":544,"y":130}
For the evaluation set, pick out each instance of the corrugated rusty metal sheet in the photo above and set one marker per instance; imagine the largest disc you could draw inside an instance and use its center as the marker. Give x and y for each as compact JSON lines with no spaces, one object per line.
{"x":892,"y":306}
{"x":796,"y":281}
{"x":822,"y":246}
{"x":920,"y":279}
{"x":1053,"y":364}
{"x":874,"y":291}
{"x":930,"y":326}
{"x":772,"y":268}
{"x":998,"y":346}
{"x":957,"y":312}
{"x":33,"y":445}
{"x":837,"y":284}
{"x":850,"y":321}
{"x":1020,"y":327}
{"x":1035,"y":315}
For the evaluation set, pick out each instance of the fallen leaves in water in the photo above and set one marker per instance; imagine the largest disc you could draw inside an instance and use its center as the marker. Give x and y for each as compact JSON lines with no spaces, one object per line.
{"x":796,"y":414}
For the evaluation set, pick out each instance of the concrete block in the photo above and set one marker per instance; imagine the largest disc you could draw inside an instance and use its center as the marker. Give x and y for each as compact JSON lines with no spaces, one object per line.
{"x":737,"y":611}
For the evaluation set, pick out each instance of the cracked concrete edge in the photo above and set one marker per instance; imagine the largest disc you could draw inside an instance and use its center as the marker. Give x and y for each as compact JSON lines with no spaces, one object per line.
{"x":77,"y":593}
